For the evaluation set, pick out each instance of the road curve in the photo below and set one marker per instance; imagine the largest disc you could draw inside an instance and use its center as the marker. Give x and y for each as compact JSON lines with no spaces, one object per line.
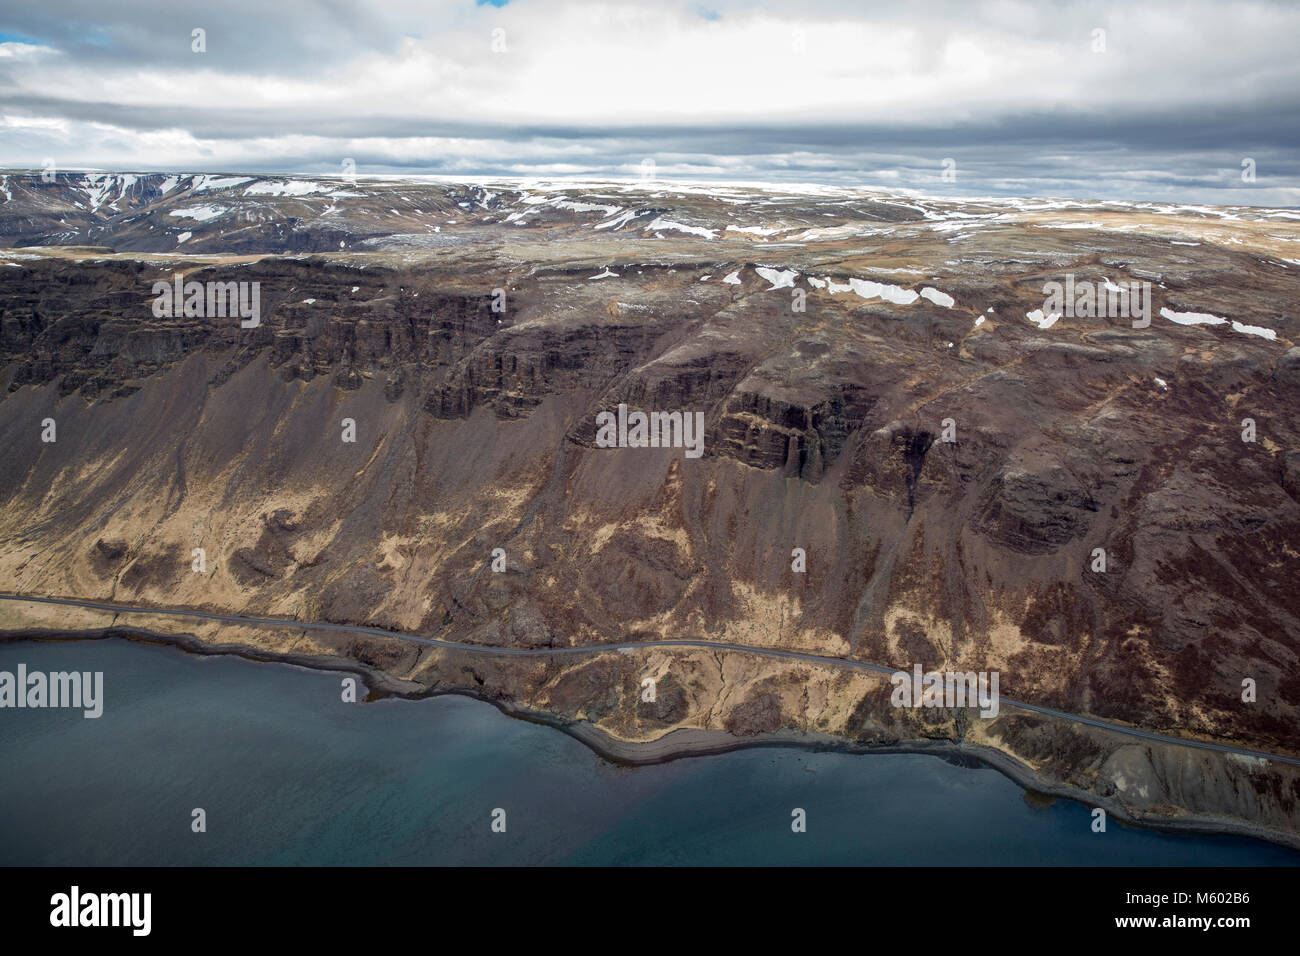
{"x":633,"y":645}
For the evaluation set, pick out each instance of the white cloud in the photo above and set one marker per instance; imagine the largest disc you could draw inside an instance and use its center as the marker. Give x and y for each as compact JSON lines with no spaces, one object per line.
{"x":834,"y":88}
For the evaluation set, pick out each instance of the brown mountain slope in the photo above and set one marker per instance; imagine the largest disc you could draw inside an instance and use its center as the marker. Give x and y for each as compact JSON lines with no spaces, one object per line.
{"x":475,"y":430}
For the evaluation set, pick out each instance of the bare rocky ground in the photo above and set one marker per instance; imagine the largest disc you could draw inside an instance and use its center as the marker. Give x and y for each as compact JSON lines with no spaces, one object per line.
{"x":826,"y":335}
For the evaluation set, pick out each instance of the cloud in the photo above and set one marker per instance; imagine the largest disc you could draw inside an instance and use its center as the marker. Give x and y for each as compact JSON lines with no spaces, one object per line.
{"x":1165,"y":102}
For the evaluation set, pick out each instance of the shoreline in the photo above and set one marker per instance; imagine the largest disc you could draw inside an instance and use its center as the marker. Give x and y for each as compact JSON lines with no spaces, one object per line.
{"x":682,"y":743}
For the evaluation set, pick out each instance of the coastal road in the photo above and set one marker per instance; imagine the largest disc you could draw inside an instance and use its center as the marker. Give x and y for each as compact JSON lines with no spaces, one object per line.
{"x":632,"y":645}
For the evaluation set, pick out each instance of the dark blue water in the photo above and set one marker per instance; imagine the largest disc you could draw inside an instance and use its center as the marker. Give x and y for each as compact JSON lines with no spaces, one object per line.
{"x":289,"y":774}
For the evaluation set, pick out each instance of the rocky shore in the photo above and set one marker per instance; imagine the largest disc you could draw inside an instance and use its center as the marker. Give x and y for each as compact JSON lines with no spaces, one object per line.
{"x":693,"y":741}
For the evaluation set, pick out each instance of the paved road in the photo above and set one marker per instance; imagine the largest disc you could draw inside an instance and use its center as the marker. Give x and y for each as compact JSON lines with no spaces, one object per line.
{"x":632,"y":645}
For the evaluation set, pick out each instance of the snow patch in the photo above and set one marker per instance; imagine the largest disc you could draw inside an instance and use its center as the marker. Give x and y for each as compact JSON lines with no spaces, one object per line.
{"x":200,"y":183}
{"x":618,"y":221}
{"x":285,"y":187}
{"x":679,"y":227}
{"x":201,"y":213}
{"x":1192,"y":318}
{"x":1262,"y":332}
{"x":937,"y":297}
{"x":587,"y":207}
{"x":779,"y":279}
{"x":756,"y":230}
{"x":882,"y":290}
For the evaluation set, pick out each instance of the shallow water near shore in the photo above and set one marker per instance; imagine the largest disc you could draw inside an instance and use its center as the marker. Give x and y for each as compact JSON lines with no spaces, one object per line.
{"x":289,"y":774}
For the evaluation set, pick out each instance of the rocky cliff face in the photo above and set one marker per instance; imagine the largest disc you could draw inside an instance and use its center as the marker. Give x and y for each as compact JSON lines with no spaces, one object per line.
{"x":877,"y":390}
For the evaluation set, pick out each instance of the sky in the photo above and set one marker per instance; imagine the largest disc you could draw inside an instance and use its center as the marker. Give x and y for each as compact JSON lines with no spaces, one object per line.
{"x":1168,"y":101}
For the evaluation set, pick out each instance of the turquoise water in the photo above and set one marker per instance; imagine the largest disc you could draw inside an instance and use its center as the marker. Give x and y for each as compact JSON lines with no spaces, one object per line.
{"x":289,"y":774}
